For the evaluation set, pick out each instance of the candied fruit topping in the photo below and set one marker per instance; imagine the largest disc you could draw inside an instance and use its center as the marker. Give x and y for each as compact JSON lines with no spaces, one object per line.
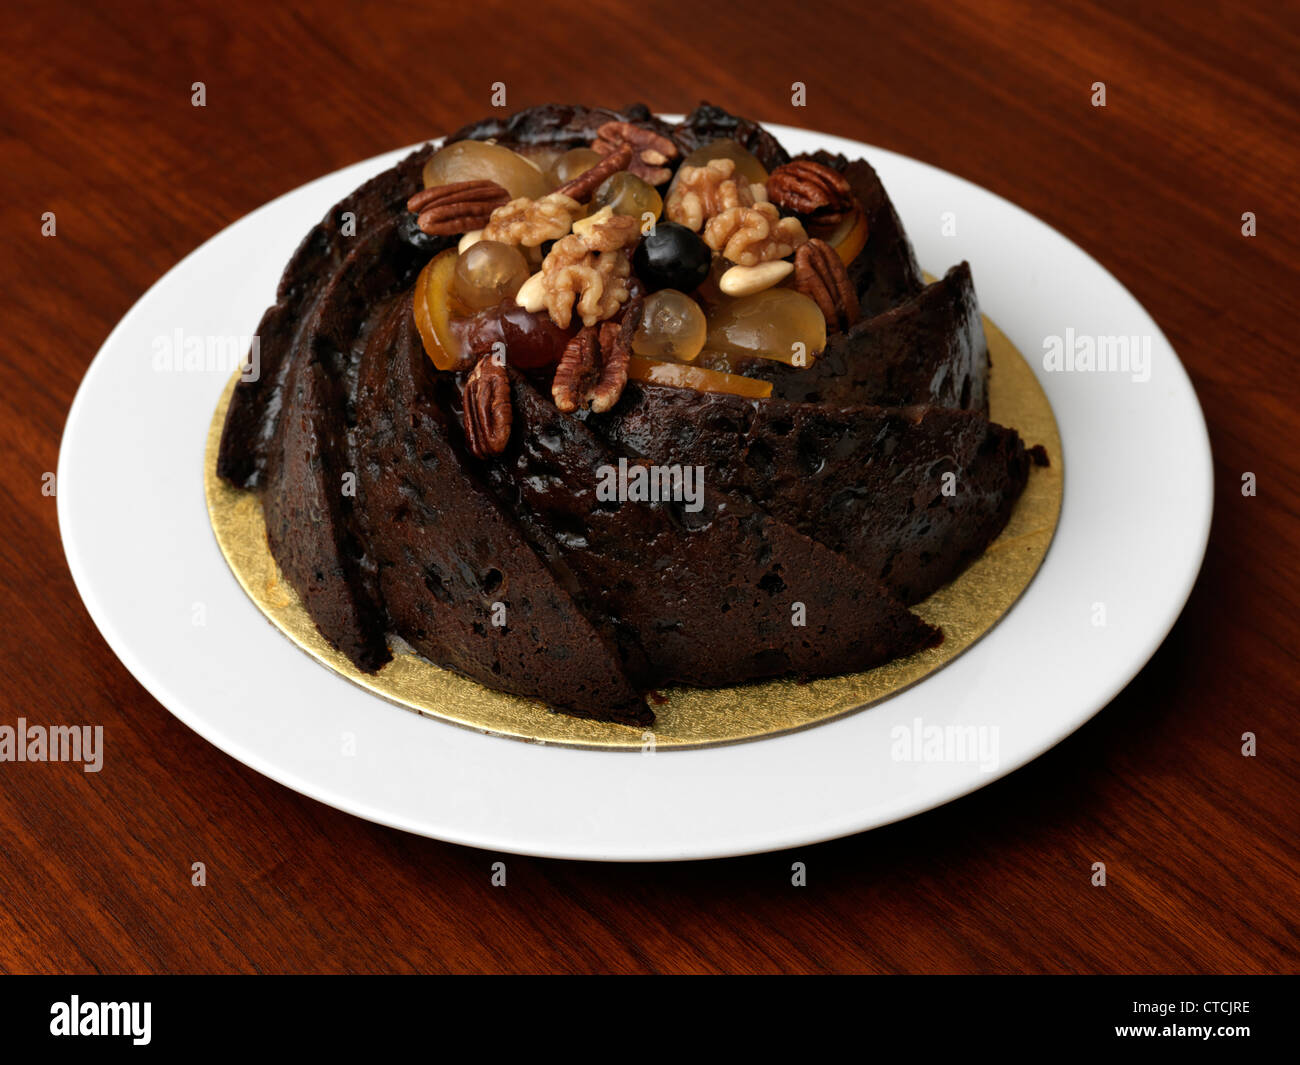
{"x":479,"y":161}
{"x":572,"y":163}
{"x":672,"y":326}
{"x":627,"y":194}
{"x":489,"y":272}
{"x":682,"y":375}
{"x":777,"y":323}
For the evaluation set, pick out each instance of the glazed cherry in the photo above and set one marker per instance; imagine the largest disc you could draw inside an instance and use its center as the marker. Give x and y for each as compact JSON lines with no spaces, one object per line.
{"x":530,"y":339}
{"x":671,"y":256}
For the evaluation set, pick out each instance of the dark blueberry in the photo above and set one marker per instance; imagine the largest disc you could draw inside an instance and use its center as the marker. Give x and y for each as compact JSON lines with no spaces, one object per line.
{"x":416,"y":237}
{"x":672,"y":257}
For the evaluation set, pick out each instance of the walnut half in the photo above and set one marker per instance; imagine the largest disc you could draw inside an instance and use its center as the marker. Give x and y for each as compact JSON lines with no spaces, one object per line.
{"x":702,"y":192}
{"x":532,"y":223}
{"x":751,"y":235}
{"x":597,"y":280}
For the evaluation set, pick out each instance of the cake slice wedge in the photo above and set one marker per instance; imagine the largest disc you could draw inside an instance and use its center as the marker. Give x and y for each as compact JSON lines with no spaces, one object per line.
{"x":460,"y":583}
{"x":928,"y":350}
{"x":718,"y":590}
{"x":909,"y":494}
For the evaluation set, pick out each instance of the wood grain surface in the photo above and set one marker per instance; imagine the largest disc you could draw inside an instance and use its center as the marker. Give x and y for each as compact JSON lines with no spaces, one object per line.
{"x":1201,"y":125}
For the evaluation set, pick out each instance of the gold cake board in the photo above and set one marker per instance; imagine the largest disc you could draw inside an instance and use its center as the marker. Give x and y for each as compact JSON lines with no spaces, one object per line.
{"x":689,"y":717}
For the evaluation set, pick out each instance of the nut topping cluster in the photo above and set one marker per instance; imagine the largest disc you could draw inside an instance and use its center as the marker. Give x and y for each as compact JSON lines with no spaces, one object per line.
{"x":702,"y":192}
{"x":735,"y":223}
{"x":571,"y":277}
{"x":598,"y":281}
{"x":589,"y":260}
{"x":751,"y":235}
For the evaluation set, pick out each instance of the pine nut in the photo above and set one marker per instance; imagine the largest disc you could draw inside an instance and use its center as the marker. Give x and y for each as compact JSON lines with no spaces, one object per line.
{"x":746,"y":280}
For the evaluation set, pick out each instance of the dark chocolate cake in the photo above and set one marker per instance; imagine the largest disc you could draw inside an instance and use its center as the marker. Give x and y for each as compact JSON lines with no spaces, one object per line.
{"x":582,"y":404}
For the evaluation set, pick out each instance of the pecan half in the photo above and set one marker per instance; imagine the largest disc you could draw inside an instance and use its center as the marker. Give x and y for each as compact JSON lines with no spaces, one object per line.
{"x":650,"y":150}
{"x":819,"y":274}
{"x":615,"y":350}
{"x":820,"y":195}
{"x":578,"y":369}
{"x":593,"y":369}
{"x":581,"y":187}
{"x":446,"y":210}
{"x":486,"y":401}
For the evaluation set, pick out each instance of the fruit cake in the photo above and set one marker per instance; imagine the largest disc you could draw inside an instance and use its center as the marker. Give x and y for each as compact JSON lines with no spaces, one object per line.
{"x":581,"y":404}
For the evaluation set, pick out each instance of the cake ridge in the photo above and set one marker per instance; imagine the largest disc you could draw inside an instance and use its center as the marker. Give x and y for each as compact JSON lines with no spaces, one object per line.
{"x":706,"y":624}
{"x":459,"y":582}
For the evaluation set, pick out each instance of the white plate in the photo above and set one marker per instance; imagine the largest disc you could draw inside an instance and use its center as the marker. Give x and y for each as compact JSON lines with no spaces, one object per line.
{"x":1132,"y":535}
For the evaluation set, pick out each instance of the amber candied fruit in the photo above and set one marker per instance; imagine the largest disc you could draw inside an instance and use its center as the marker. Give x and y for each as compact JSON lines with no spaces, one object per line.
{"x":777,"y":323}
{"x":479,"y":161}
{"x":489,"y":272}
{"x":672,"y":326}
{"x":572,"y":163}
{"x":680,"y":375}
{"x":628,"y":194}
{"x":433,"y":310}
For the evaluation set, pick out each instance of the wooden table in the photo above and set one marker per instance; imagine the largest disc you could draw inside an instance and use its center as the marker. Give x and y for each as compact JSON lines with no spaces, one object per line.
{"x":1200,"y":125}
